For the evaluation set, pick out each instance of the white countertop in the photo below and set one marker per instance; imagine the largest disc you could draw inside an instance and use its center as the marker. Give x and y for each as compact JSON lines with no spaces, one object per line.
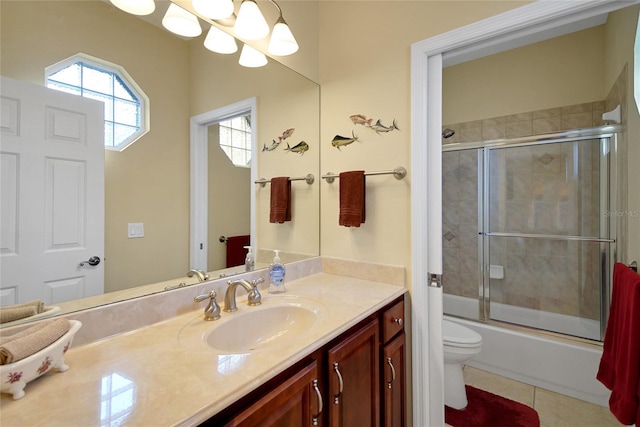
{"x":164,"y":374}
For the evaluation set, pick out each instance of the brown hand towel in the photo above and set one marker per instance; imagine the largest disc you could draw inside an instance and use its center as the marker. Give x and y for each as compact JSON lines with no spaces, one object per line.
{"x":9,"y":314}
{"x":352,"y":199}
{"x":20,"y":311}
{"x":32,"y":340}
{"x":280,"y":200}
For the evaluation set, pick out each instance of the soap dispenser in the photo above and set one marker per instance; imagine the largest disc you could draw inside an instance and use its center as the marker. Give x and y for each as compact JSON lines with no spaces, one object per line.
{"x":276,"y":275}
{"x":248,"y":261}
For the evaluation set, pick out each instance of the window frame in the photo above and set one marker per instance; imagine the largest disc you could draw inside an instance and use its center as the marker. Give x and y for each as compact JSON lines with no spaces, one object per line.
{"x":124,"y":76}
{"x":226,"y":123}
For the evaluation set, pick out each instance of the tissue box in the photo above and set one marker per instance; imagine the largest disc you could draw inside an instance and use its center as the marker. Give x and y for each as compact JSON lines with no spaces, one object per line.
{"x":15,"y":376}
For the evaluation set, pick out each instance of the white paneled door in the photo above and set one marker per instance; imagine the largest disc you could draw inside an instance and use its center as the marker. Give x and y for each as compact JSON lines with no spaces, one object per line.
{"x":52,"y":194}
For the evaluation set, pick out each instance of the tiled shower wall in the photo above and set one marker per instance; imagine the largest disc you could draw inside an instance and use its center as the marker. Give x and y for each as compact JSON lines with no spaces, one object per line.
{"x":534,"y":197}
{"x":531,"y":123}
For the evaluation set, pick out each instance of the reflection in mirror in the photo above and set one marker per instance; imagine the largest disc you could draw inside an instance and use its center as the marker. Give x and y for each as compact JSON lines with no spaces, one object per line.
{"x":149,"y":182}
{"x":229,"y":196}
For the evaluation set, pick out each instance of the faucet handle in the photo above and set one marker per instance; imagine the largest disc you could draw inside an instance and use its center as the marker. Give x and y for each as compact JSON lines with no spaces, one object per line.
{"x":255,"y":298}
{"x":212,"y":311}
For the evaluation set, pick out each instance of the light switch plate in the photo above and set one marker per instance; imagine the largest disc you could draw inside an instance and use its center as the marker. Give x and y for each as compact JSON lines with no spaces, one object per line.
{"x":135,"y":230}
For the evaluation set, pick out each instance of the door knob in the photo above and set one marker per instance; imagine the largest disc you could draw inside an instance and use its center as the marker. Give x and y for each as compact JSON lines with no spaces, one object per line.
{"x":94,"y":260}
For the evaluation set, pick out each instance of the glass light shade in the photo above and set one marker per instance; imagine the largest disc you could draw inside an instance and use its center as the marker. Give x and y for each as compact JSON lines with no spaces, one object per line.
{"x":220,"y":42}
{"x":179,"y":21}
{"x":135,"y":7}
{"x":250,"y":24}
{"x":250,"y":57}
{"x":282,"y":42}
{"x":214,"y":9}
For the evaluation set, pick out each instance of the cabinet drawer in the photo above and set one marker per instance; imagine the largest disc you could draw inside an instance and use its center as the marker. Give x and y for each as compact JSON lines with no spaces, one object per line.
{"x":392,"y":321}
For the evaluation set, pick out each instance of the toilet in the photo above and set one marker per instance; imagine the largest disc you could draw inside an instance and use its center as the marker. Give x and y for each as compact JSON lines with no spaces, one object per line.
{"x":460,"y":345}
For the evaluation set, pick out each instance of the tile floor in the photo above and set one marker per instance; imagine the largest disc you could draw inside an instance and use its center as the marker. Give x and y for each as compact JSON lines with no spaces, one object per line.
{"x":555,"y":410}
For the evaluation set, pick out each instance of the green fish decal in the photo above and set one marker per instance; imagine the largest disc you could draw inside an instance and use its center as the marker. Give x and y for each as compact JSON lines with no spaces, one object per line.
{"x":301,"y":147}
{"x":338,"y":141}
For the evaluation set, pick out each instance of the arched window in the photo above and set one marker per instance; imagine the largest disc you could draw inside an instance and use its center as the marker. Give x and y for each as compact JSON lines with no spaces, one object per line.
{"x":126,"y":107}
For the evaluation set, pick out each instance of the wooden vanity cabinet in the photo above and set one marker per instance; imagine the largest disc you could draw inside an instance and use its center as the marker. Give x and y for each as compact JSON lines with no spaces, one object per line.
{"x":394,"y":382}
{"x":393,"y":365}
{"x":356,"y":380}
{"x":353,"y":383}
{"x":295,"y":402}
{"x":293,"y":398}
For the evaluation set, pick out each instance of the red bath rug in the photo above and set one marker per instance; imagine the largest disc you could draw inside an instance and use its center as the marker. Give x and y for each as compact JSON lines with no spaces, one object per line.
{"x":489,"y":410}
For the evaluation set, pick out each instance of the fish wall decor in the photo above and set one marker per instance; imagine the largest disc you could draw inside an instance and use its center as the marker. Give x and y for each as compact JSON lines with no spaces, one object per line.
{"x":340,"y":141}
{"x":272,"y":147}
{"x":286,"y":134}
{"x":301,"y":147}
{"x":360,"y":119}
{"x":378,"y":127}
{"x":274,"y":144}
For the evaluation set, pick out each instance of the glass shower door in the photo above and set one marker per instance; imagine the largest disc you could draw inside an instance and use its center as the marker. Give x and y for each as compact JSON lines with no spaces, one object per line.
{"x":546,"y":245}
{"x":461,"y":224}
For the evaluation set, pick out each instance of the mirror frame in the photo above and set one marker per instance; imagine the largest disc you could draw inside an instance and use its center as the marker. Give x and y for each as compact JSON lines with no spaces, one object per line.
{"x":496,"y":33}
{"x":199,"y":187}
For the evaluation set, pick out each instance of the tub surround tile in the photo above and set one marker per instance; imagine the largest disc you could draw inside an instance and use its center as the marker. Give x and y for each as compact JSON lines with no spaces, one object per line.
{"x":550,"y":120}
{"x":547,"y":125}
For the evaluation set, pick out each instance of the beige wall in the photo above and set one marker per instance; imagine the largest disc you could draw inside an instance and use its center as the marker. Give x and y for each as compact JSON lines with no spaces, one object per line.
{"x":146,"y":182}
{"x":365,"y":65}
{"x":558,"y":72}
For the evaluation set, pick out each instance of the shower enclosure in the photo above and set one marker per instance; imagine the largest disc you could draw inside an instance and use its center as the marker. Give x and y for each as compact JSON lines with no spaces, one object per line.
{"x":528,"y":230}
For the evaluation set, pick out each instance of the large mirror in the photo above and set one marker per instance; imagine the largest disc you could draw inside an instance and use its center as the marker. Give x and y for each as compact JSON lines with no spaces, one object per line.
{"x":149,"y":182}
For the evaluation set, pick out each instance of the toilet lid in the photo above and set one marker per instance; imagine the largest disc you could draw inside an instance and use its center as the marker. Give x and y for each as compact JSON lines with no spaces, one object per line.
{"x":457,"y":335}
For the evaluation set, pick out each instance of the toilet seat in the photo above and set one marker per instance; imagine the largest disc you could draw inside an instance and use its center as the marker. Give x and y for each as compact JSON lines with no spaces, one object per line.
{"x":455,"y":335}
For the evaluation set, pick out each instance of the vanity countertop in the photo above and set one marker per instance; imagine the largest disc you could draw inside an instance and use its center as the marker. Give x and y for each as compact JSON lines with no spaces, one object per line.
{"x":163,"y":374}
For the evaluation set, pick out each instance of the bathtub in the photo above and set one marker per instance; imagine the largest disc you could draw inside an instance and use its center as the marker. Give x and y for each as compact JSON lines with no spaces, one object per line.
{"x":561,"y":365}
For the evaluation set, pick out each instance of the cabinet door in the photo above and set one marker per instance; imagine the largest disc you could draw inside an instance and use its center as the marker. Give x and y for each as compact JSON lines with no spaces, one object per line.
{"x":393,"y":382}
{"x":354,"y":398}
{"x":295,"y":402}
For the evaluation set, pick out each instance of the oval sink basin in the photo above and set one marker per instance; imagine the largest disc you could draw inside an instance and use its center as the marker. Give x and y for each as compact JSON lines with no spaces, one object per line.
{"x":261,"y":327}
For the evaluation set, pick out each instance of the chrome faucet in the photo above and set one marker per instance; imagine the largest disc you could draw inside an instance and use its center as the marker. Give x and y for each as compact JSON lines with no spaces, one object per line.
{"x":252,"y":288}
{"x":202,"y":276}
{"x":212,"y":311}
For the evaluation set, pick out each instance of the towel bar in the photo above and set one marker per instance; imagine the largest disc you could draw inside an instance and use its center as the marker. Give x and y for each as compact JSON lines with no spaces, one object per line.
{"x":634,"y":266}
{"x":309,"y":178}
{"x":398,"y":173}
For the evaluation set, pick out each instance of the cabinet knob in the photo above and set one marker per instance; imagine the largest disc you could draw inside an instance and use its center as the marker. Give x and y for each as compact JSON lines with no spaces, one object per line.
{"x":397,"y":321}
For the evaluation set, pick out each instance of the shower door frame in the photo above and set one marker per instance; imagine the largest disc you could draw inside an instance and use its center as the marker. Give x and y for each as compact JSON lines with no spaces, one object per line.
{"x":609,"y":201}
